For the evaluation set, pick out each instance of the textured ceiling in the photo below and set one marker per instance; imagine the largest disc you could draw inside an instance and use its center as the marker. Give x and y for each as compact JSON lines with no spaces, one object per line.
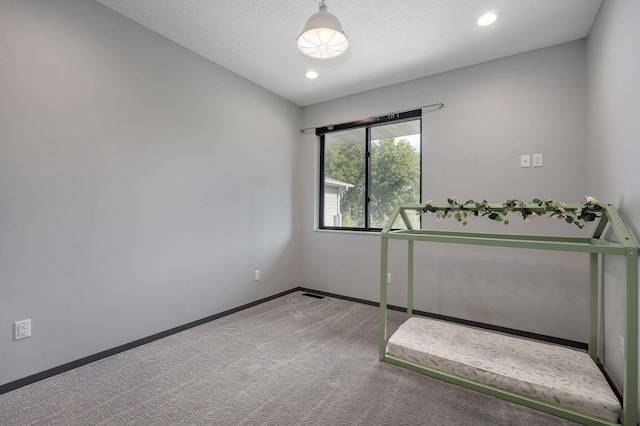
{"x":390,"y":42}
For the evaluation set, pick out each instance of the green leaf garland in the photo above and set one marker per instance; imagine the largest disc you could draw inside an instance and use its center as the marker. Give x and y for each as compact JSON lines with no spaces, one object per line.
{"x":583,"y":214}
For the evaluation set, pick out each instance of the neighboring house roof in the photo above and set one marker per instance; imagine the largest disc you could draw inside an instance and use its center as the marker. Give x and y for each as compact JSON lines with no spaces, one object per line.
{"x":340,"y":184}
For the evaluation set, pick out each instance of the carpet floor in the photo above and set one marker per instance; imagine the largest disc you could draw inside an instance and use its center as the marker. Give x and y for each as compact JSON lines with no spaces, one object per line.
{"x":294,"y":360}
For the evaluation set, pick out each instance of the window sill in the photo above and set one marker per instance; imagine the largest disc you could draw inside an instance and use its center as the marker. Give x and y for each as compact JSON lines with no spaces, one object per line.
{"x":347,"y":231}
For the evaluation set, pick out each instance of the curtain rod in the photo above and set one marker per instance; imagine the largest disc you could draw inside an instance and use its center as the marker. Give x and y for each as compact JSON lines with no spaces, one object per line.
{"x":375,"y":118}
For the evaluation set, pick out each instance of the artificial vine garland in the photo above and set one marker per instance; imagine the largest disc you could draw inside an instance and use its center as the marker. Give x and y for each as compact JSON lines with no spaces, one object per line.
{"x":585,"y":212}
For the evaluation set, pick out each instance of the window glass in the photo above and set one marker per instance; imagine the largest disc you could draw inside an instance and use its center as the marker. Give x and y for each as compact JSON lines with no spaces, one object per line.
{"x":344,"y":178}
{"x":367,"y":171}
{"x":395,"y":170}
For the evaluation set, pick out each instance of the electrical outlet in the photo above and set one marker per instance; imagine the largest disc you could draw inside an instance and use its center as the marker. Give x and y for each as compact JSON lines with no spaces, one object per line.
{"x":256,"y":275}
{"x":621,"y":345}
{"x":525,"y":160}
{"x":21,"y":329}
{"x":388,"y":278}
{"x":537,"y":160}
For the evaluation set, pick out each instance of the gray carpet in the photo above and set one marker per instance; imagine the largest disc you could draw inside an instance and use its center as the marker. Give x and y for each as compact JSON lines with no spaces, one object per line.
{"x":294,"y":360}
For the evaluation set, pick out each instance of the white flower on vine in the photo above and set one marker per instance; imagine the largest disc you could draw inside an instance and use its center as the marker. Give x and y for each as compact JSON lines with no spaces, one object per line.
{"x":558,"y":215}
{"x":591,"y":200}
{"x":529,"y":217}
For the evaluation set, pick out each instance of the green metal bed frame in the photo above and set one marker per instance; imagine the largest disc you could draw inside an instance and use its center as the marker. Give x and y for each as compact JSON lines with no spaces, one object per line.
{"x":594,"y":246}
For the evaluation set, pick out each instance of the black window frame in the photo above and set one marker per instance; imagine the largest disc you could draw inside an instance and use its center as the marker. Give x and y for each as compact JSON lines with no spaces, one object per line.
{"x":367,"y":124}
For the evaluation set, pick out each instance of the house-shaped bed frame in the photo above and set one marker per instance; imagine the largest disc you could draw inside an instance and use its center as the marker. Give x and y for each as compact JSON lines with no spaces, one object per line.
{"x":594,"y":246}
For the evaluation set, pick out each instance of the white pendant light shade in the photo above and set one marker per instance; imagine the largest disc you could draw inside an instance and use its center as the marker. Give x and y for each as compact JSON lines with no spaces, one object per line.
{"x":322,"y":36}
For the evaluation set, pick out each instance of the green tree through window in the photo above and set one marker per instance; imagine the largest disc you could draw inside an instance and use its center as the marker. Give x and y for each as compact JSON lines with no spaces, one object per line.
{"x":360,"y":191}
{"x":395,"y":178}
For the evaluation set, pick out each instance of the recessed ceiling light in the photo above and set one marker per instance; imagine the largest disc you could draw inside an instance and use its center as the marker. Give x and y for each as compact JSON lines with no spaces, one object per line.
{"x":311,"y":75}
{"x":488,"y":18}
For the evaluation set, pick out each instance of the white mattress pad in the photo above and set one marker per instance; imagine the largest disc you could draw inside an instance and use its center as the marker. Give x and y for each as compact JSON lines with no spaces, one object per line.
{"x":547,"y":372}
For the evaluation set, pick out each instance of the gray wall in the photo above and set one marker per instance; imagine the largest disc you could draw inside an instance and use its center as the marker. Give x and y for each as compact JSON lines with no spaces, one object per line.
{"x":494,"y":112}
{"x":140,"y":185}
{"x":614,"y":142}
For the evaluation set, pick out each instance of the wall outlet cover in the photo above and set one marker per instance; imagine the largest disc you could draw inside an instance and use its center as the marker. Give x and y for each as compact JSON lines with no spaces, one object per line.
{"x":537,"y":160}
{"x":21,"y":329}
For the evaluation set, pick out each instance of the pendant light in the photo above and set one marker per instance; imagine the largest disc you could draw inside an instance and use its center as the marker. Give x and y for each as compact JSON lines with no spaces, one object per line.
{"x":322,"y":36}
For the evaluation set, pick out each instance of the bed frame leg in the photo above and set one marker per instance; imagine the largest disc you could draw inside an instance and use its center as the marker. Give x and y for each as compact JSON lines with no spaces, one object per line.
{"x":593,"y":303}
{"x":382,"y":338}
{"x":630,"y":389}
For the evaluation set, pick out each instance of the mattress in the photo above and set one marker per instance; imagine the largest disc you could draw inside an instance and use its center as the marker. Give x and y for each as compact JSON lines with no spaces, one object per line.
{"x":546,"y":372}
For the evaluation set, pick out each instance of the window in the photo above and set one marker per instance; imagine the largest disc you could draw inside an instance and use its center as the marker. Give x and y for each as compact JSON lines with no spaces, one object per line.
{"x":366,"y":170}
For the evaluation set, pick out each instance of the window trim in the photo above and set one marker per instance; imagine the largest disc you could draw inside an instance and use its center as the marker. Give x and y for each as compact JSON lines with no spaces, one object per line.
{"x":367,"y":124}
